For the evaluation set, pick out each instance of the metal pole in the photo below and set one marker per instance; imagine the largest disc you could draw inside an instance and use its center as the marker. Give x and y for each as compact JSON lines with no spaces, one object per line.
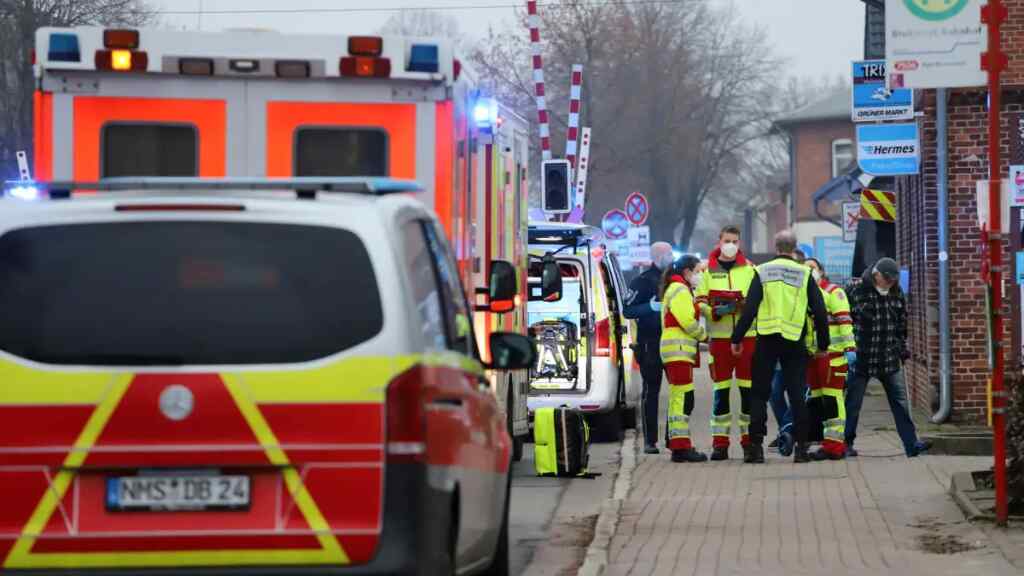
{"x":994,"y":61}
{"x":945,"y":356}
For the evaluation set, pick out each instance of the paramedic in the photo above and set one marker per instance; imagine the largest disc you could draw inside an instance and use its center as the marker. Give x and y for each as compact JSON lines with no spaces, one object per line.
{"x":643,"y":306}
{"x":723,"y":287}
{"x":779,"y":297}
{"x":681,"y":336}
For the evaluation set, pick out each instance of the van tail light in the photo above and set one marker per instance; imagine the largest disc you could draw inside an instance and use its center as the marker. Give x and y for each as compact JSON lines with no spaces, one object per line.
{"x":603,"y":346}
{"x":365,"y":45}
{"x":406,"y":417}
{"x":363,"y":67}
{"x":121,"y":60}
{"x":126,"y":39}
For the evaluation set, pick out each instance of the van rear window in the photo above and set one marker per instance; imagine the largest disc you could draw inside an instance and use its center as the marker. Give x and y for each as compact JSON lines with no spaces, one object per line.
{"x":150,"y":150}
{"x":341,"y":152}
{"x":185,"y":293}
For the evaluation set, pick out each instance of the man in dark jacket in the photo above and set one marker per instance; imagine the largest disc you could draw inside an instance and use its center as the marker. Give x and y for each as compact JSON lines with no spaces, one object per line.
{"x":643,"y":305}
{"x":879,"y":312}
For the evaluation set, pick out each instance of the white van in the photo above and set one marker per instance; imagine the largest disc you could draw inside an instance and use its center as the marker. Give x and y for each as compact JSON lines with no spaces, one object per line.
{"x":584,"y":342}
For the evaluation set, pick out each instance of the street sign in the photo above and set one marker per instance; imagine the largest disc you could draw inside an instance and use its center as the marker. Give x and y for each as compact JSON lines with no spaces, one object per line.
{"x":851,"y":217}
{"x":889,"y":149}
{"x":639,"y":245}
{"x":933,"y":44}
{"x":637,"y":209}
{"x":872,"y":100}
{"x":615,"y":224}
{"x":836,"y":256}
{"x":1017,"y":184}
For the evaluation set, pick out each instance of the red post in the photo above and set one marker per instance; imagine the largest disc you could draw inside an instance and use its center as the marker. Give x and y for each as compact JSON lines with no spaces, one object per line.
{"x":994,"y":61}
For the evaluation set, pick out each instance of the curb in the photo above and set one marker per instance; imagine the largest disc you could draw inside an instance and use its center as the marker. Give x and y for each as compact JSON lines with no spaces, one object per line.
{"x":596,"y":559}
{"x":960,"y":484}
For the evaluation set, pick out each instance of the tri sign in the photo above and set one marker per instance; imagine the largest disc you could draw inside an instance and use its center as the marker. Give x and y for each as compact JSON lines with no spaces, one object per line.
{"x":872,"y":101}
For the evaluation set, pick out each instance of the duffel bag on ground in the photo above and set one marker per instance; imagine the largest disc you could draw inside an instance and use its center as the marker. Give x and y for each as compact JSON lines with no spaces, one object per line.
{"x":561,"y":442}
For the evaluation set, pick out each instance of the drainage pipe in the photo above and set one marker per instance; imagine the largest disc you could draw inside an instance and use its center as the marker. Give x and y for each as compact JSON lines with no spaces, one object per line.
{"x":945,"y":354}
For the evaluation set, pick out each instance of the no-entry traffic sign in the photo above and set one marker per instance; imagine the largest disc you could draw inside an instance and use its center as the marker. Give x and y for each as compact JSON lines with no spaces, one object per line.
{"x":615,"y":224}
{"x":637,"y":209}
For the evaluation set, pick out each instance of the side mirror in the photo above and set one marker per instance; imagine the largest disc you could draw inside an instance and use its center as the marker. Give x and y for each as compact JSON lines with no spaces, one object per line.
{"x":503,"y":287}
{"x":510,"y":351}
{"x":551,"y":280}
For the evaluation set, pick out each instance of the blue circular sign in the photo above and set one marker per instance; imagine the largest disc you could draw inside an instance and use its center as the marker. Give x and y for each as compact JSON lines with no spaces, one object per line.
{"x":615,"y":224}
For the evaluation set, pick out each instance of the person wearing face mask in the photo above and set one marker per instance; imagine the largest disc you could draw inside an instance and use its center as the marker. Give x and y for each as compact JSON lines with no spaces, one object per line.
{"x":723,"y":286}
{"x":681,"y":336}
{"x":827,"y":383}
{"x":780,"y":296}
{"x":880,"y":325}
{"x":643,"y":305}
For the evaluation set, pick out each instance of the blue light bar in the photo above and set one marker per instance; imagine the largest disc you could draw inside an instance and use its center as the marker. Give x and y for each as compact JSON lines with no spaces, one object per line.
{"x":64,"y":48}
{"x":24,"y":192}
{"x":424,"y":58}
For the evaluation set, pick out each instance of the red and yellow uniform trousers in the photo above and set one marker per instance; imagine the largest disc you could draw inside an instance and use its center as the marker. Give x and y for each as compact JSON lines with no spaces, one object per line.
{"x":721,"y":295}
{"x":826,"y":378}
{"x":827,"y":383}
{"x":680,"y":337}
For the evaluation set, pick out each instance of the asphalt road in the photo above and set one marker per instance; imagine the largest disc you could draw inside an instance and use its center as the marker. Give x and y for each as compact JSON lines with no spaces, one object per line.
{"x":552,"y":519}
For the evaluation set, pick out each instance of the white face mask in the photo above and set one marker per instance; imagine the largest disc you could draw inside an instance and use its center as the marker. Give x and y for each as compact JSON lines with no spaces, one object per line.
{"x":729,"y":250}
{"x":694,"y":280}
{"x":817,"y":275}
{"x":882,"y":291}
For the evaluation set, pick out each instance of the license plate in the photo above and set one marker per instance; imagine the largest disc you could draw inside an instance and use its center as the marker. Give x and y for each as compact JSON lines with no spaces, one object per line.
{"x":175,"y":493}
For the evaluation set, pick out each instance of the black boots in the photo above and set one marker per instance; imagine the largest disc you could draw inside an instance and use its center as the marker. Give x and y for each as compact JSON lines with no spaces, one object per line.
{"x":753,"y":454}
{"x":800,"y":456}
{"x":689,"y":455}
{"x":720,"y":453}
{"x":651,"y":449}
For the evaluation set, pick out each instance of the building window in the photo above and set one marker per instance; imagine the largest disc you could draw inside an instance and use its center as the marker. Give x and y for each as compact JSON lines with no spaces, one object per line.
{"x":842,"y":156}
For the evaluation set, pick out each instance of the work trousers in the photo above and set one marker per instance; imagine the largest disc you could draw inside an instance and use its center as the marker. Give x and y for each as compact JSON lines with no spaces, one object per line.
{"x":648,"y":356}
{"x":792,"y":356}
{"x":724,"y":369}
{"x":680,"y":404}
{"x":827,"y":407}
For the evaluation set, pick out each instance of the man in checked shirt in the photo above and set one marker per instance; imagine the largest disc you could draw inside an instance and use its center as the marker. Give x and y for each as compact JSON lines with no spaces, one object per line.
{"x":879,"y":312}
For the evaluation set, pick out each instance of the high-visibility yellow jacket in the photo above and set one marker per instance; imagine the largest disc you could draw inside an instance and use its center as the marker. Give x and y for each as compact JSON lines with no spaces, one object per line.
{"x":681,"y":330}
{"x":718,"y":284}
{"x":783,"y":308}
{"x":840,"y":323}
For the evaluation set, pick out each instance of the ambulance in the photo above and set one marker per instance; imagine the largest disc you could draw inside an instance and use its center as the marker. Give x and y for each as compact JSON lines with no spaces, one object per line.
{"x":257,"y":103}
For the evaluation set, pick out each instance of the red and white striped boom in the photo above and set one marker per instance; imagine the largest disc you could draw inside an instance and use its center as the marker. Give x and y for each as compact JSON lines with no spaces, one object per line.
{"x":574,"y":114}
{"x":533,"y":21}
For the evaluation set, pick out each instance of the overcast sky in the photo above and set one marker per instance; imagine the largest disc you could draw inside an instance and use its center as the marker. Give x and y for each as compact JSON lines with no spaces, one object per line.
{"x":818,"y":37}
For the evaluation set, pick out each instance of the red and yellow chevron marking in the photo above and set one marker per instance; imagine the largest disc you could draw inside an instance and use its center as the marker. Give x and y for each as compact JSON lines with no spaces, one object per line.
{"x":259,"y":397}
{"x":878,"y":205}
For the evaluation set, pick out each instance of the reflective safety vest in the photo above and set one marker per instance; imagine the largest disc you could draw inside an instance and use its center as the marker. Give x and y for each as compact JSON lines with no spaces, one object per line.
{"x":840,"y":323}
{"x":783,"y":307}
{"x":721,"y":281}
{"x":681,"y":330}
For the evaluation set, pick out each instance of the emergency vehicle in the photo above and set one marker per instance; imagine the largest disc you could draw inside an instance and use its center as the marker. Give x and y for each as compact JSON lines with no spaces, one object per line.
{"x":208,"y":377}
{"x":116,"y":103}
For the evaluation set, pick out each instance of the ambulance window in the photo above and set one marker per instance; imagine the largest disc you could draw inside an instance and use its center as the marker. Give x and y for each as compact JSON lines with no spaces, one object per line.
{"x":341,"y":152}
{"x":150,"y":150}
{"x":185,"y":293}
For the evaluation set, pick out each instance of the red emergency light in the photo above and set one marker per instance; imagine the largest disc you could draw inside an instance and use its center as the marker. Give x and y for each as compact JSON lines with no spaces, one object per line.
{"x":363,"y":67}
{"x":365,"y":45}
{"x":121,"y":38}
{"x":121,"y":60}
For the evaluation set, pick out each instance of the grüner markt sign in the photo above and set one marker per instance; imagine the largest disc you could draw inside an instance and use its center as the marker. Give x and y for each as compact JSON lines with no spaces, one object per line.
{"x":934,"y":43}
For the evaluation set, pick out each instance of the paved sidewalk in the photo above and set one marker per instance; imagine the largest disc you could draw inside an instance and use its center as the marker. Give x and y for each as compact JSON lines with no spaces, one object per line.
{"x":881,"y":513}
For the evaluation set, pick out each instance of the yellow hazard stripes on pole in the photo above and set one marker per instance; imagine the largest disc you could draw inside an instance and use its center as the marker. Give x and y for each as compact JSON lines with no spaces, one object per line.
{"x":878,"y":205}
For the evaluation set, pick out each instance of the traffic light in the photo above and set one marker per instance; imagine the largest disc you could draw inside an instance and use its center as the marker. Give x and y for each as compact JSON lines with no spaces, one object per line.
{"x":557,"y":188}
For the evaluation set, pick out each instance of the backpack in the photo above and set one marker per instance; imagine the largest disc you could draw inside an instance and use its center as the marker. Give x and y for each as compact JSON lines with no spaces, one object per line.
{"x":561,"y":442}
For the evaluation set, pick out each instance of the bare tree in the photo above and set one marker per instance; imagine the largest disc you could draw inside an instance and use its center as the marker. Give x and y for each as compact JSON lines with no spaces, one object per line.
{"x":424,"y":23}
{"x":19,"y":19}
{"x":676,"y":94}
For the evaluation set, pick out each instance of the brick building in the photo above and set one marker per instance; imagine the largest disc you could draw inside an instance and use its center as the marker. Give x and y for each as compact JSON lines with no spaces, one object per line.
{"x":967,"y":163}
